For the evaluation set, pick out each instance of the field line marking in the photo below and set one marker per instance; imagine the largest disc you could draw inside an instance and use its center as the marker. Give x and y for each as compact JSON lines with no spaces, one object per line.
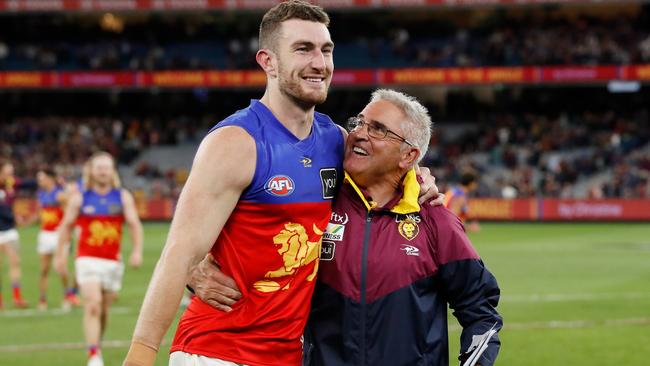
{"x":569,"y":324}
{"x":66,"y":346}
{"x":553,"y":324}
{"x":575,"y":297}
{"x":26,"y":313}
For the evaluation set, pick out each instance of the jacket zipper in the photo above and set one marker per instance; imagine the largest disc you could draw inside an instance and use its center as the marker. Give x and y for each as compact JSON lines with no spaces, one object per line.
{"x":364,"y":265}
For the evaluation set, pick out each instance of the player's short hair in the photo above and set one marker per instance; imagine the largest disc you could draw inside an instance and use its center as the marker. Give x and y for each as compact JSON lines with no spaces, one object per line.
{"x":418,"y":125}
{"x":467,"y":178}
{"x":87,"y":168}
{"x":271,"y":24}
{"x":49,"y":172}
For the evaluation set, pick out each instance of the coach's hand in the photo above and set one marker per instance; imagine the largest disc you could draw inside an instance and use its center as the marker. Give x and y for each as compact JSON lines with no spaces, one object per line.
{"x":428,"y":188}
{"x":212,"y":286}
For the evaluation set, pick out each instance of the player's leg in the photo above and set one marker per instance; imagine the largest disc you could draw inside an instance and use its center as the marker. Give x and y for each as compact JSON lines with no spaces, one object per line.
{"x":2,"y":255}
{"x":14,"y":269}
{"x":108,"y":299}
{"x":111,"y":285}
{"x":89,"y":273}
{"x":91,"y":293}
{"x":70,"y":298}
{"x":45,"y":262}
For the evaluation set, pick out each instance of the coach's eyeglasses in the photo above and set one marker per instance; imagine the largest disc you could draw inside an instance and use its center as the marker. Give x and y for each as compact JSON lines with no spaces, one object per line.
{"x":375,"y":129}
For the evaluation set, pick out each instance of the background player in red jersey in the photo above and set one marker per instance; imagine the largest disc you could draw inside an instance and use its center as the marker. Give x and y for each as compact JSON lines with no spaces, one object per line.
{"x":9,"y":238}
{"x":457,"y":200}
{"x":100,"y":209}
{"x":51,"y":198}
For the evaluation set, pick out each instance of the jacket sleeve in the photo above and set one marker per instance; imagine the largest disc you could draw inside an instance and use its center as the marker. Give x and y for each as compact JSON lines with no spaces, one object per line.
{"x":469,"y":288}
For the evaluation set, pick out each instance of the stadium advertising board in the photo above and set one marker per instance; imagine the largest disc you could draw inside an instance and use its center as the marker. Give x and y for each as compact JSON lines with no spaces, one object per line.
{"x":343,"y":77}
{"x":550,"y":209}
{"x":547,"y":209}
{"x":159,"y":5}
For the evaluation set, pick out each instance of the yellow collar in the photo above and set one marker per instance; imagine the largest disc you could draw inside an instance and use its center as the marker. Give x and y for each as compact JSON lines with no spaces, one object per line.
{"x":407,"y":204}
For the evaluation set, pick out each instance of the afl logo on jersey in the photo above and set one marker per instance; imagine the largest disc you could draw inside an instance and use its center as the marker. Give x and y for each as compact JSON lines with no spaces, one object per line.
{"x":280,"y":185}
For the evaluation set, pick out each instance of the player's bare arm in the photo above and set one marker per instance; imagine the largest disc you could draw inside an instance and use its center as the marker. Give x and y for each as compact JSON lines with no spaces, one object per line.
{"x":135,"y":228}
{"x":223,"y":167}
{"x":65,"y":231}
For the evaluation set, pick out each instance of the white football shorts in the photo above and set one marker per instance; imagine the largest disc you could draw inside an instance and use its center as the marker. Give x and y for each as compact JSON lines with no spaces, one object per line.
{"x":107,"y":272}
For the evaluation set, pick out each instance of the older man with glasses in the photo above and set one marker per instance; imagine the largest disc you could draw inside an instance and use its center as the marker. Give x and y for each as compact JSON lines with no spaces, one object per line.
{"x":388,"y":266}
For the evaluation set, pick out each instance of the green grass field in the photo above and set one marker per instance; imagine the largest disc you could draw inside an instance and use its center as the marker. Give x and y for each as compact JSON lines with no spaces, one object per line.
{"x":572,"y":294}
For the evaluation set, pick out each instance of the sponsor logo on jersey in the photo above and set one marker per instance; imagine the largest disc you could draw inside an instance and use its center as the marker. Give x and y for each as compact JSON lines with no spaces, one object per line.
{"x":88,"y":209}
{"x":408,"y":228}
{"x":339,"y":219}
{"x":280,"y":185}
{"x":411,"y":250}
{"x":327,"y":250}
{"x":328,"y":182}
{"x":334,"y":232}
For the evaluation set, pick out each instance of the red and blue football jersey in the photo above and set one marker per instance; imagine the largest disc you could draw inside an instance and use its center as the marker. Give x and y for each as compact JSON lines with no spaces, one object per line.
{"x":51,"y":210}
{"x":100,"y":219}
{"x":270,"y":245}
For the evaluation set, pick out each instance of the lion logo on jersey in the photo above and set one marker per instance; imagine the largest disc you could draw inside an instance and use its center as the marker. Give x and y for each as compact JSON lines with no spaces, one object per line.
{"x":103,"y":233}
{"x":408,"y":228}
{"x":49,"y":217}
{"x":296,"y":251}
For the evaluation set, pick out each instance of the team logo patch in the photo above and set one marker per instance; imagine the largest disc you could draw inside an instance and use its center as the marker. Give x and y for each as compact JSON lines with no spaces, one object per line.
{"x":114,"y":209}
{"x":408,"y":229}
{"x":306,"y":162}
{"x":334,"y":232}
{"x":88,"y":209}
{"x":328,"y":182}
{"x":296,"y":250}
{"x":280,"y":185}
{"x":327,"y":250}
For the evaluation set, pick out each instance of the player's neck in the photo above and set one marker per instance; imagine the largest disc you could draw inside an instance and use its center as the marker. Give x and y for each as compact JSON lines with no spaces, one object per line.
{"x":296,"y":118}
{"x":101,"y":189}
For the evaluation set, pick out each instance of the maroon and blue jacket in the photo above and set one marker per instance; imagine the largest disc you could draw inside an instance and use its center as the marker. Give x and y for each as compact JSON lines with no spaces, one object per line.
{"x":386,"y":277}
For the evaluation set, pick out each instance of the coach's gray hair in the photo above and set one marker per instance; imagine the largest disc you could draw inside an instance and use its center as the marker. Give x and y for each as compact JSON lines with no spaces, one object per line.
{"x":417,"y":127}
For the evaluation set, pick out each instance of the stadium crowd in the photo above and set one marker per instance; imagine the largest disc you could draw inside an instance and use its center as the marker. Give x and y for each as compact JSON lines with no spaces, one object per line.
{"x":526,"y":154}
{"x":206,"y":41}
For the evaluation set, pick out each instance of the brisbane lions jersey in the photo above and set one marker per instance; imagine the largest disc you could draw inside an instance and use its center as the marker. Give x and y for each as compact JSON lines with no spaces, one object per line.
{"x":100,"y":219}
{"x":270,"y":245}
{"x":51,"y":210}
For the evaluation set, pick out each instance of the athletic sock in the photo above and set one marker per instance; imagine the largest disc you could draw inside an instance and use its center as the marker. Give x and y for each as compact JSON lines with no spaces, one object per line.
{"x":92,"y":350}
{"x":16,"y":290}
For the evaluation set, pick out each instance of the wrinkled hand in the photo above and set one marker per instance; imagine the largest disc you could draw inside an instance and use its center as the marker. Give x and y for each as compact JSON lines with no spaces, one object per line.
{"x":428,"y":187}
{"x":135,"y":261}
{"x":212,"y":286}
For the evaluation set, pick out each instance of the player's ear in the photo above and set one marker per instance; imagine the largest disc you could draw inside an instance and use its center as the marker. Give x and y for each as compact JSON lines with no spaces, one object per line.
{"x":267,"y":61}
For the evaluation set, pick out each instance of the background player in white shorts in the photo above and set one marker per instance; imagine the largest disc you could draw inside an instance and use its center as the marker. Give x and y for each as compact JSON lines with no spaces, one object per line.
{"x":51,"y":199}
{"x":9,"y":238}
{"x":99,"y":210}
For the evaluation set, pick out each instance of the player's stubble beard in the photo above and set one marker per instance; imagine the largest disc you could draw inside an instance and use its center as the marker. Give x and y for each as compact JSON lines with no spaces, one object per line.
{"x":290,"y":86}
